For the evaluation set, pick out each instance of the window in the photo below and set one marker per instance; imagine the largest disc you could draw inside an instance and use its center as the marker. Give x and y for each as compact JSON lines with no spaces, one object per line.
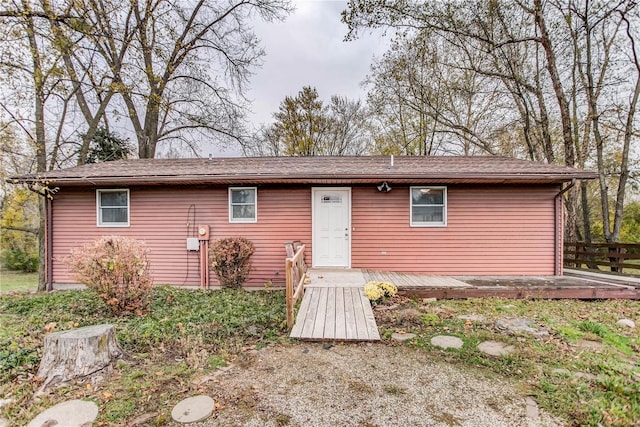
{"x":113,"y":208}
{"x":243,"y":205}
{"x":428,"y":206}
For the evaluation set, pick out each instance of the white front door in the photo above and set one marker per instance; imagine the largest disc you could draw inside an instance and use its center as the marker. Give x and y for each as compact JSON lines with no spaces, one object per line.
{"x":331,"y":227}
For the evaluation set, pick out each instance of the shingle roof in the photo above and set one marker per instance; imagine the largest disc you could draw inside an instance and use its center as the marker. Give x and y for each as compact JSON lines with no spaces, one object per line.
{"x":310,"y":170}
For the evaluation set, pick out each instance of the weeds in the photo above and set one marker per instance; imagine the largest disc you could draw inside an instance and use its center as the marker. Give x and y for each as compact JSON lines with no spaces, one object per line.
{"x":186,"y":334}
{"x":598,"y":386}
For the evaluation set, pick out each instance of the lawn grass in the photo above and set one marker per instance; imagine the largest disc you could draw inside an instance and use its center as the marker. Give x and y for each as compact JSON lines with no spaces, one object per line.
{"x":17,"y":281}
{"x":186,"y":334}
{"x":601,"y":387}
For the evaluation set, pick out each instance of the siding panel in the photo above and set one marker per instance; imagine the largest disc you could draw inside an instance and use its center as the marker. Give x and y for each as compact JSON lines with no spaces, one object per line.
{"x":490,"y":231}
{"x":164,"y":218}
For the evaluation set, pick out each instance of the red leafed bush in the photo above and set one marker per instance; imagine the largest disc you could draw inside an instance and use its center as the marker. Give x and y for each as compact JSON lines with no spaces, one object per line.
{"x":117,"y":269}
{"x":230,"y":259}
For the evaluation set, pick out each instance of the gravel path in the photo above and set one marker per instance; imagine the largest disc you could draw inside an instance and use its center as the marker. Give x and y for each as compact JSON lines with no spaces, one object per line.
{"x":362,"y":385}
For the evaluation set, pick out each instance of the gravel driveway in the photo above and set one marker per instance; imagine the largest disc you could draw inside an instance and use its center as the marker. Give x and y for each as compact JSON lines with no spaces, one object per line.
{"x":362,"y":385}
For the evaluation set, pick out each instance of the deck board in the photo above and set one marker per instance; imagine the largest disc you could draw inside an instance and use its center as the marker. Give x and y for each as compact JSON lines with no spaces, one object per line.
{"x":321,"y":314}
{"x":341,"y":329}
{"x":349,"y":316}
{"x":361,"y":327}
{"x":335,"y":313}
{"x":330,"y":319}
{"x":371,"y":328}
{"x":310,"y":318}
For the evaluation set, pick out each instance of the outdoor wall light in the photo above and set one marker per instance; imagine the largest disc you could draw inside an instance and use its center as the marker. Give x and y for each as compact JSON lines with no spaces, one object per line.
{"x":384,"y":187}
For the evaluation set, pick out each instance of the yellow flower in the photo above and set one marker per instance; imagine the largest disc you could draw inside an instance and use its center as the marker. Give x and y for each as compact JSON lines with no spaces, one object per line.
{"x":389,"y":289}
{"x":376,"y":291}
{"x":373,"y":292}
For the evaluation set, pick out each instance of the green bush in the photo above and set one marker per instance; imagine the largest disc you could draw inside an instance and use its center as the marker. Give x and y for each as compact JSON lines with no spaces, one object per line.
{"x":230,"y":259}
{"x":19,"y":220}
{"x":20,"y":260}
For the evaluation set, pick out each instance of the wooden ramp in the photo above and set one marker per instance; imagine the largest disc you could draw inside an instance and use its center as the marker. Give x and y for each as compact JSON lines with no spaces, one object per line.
{"x":335,"y":313}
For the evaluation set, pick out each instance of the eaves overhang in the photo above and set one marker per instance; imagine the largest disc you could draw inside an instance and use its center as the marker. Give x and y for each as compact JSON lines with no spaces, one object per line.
{"x":309,"y":179}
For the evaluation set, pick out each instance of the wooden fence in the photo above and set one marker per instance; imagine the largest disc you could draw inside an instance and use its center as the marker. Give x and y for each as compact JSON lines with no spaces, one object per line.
{"x":296,"y":271}
{"x":614,"y":257}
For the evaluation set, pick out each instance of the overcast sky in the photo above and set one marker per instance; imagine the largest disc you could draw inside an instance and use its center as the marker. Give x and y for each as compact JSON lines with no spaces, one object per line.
{"x":307,"y":49}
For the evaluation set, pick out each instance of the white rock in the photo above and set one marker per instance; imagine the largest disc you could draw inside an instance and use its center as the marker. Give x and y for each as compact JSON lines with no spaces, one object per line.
{"x":532,"y":411}
{"x":520,"y":325}
{"x":193,"y":409}
{"x":402,"y":337}
{"x":495,"y":348}
{"x":446,"y":341}
{"x":627,"y":323}
{"x":69,"y":413}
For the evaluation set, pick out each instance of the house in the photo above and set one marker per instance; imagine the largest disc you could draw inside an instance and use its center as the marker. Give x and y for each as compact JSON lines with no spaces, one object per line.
{"x":432,"y":215}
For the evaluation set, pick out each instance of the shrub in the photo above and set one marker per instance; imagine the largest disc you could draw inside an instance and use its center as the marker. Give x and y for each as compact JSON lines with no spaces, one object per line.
{"x":20,"y":260}
{"x":117,"y":269}
{"x":230,"y":259}
{"x":378,"y":291}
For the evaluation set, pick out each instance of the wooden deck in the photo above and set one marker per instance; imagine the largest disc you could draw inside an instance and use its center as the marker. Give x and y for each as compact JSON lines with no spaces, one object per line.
{"x":335,"y":313}
{"x":408,"y":280}
{"x":574,"y":284}
{"x":334,"y":306}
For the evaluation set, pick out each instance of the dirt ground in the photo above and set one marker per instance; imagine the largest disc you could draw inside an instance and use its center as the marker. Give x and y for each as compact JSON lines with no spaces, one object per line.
{"x":362,"y":385}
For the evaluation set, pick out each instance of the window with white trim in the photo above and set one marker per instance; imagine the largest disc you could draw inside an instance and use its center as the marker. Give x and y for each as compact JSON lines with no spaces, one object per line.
{"x":243,"y":204}
{"x":112,"y":207}
{"x":428,"y":206}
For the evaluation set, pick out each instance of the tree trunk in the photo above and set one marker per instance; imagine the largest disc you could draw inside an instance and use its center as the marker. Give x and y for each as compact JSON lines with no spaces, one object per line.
{"x":78,"y":353}
{"x":565,"y":116}
{"x":586,"y":218}
{"x":40,"y":141}
{"x":42,"y":252}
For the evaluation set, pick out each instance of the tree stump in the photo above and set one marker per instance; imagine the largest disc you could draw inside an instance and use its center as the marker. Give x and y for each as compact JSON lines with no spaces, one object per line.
{"x":78,"y":353}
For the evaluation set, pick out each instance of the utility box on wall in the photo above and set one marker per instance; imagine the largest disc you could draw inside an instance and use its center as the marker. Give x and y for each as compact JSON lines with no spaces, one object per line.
{"x":203,"y":232}
{"x":193,"y":244}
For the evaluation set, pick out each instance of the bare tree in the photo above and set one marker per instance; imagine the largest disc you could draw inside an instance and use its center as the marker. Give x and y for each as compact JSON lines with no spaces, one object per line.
{"x":552,"y":59}
{"x":186,"y":65}
{"x":305,"y":126}
{"x":348,"y":132}
{"x":31,"y":76}
{"x":177,"y":71}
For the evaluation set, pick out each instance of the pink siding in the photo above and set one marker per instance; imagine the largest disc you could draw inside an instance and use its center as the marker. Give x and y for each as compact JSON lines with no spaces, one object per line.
{"x":490,"y":231}
{"x":159,"y":216}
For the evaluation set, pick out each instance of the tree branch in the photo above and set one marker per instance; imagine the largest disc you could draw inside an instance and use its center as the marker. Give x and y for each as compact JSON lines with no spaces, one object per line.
{"x":23,"y":229}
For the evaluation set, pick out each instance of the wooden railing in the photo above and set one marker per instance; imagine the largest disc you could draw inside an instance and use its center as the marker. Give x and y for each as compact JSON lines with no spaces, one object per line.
{"x":295,"y":275}
{"x":593,"y":255}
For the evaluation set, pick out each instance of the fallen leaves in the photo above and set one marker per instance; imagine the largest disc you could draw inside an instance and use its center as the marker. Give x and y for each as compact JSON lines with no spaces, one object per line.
{"x":49,"y":327}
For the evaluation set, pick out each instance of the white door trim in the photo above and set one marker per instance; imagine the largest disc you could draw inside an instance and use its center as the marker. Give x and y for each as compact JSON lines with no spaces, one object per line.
{"x":314,"y":190}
